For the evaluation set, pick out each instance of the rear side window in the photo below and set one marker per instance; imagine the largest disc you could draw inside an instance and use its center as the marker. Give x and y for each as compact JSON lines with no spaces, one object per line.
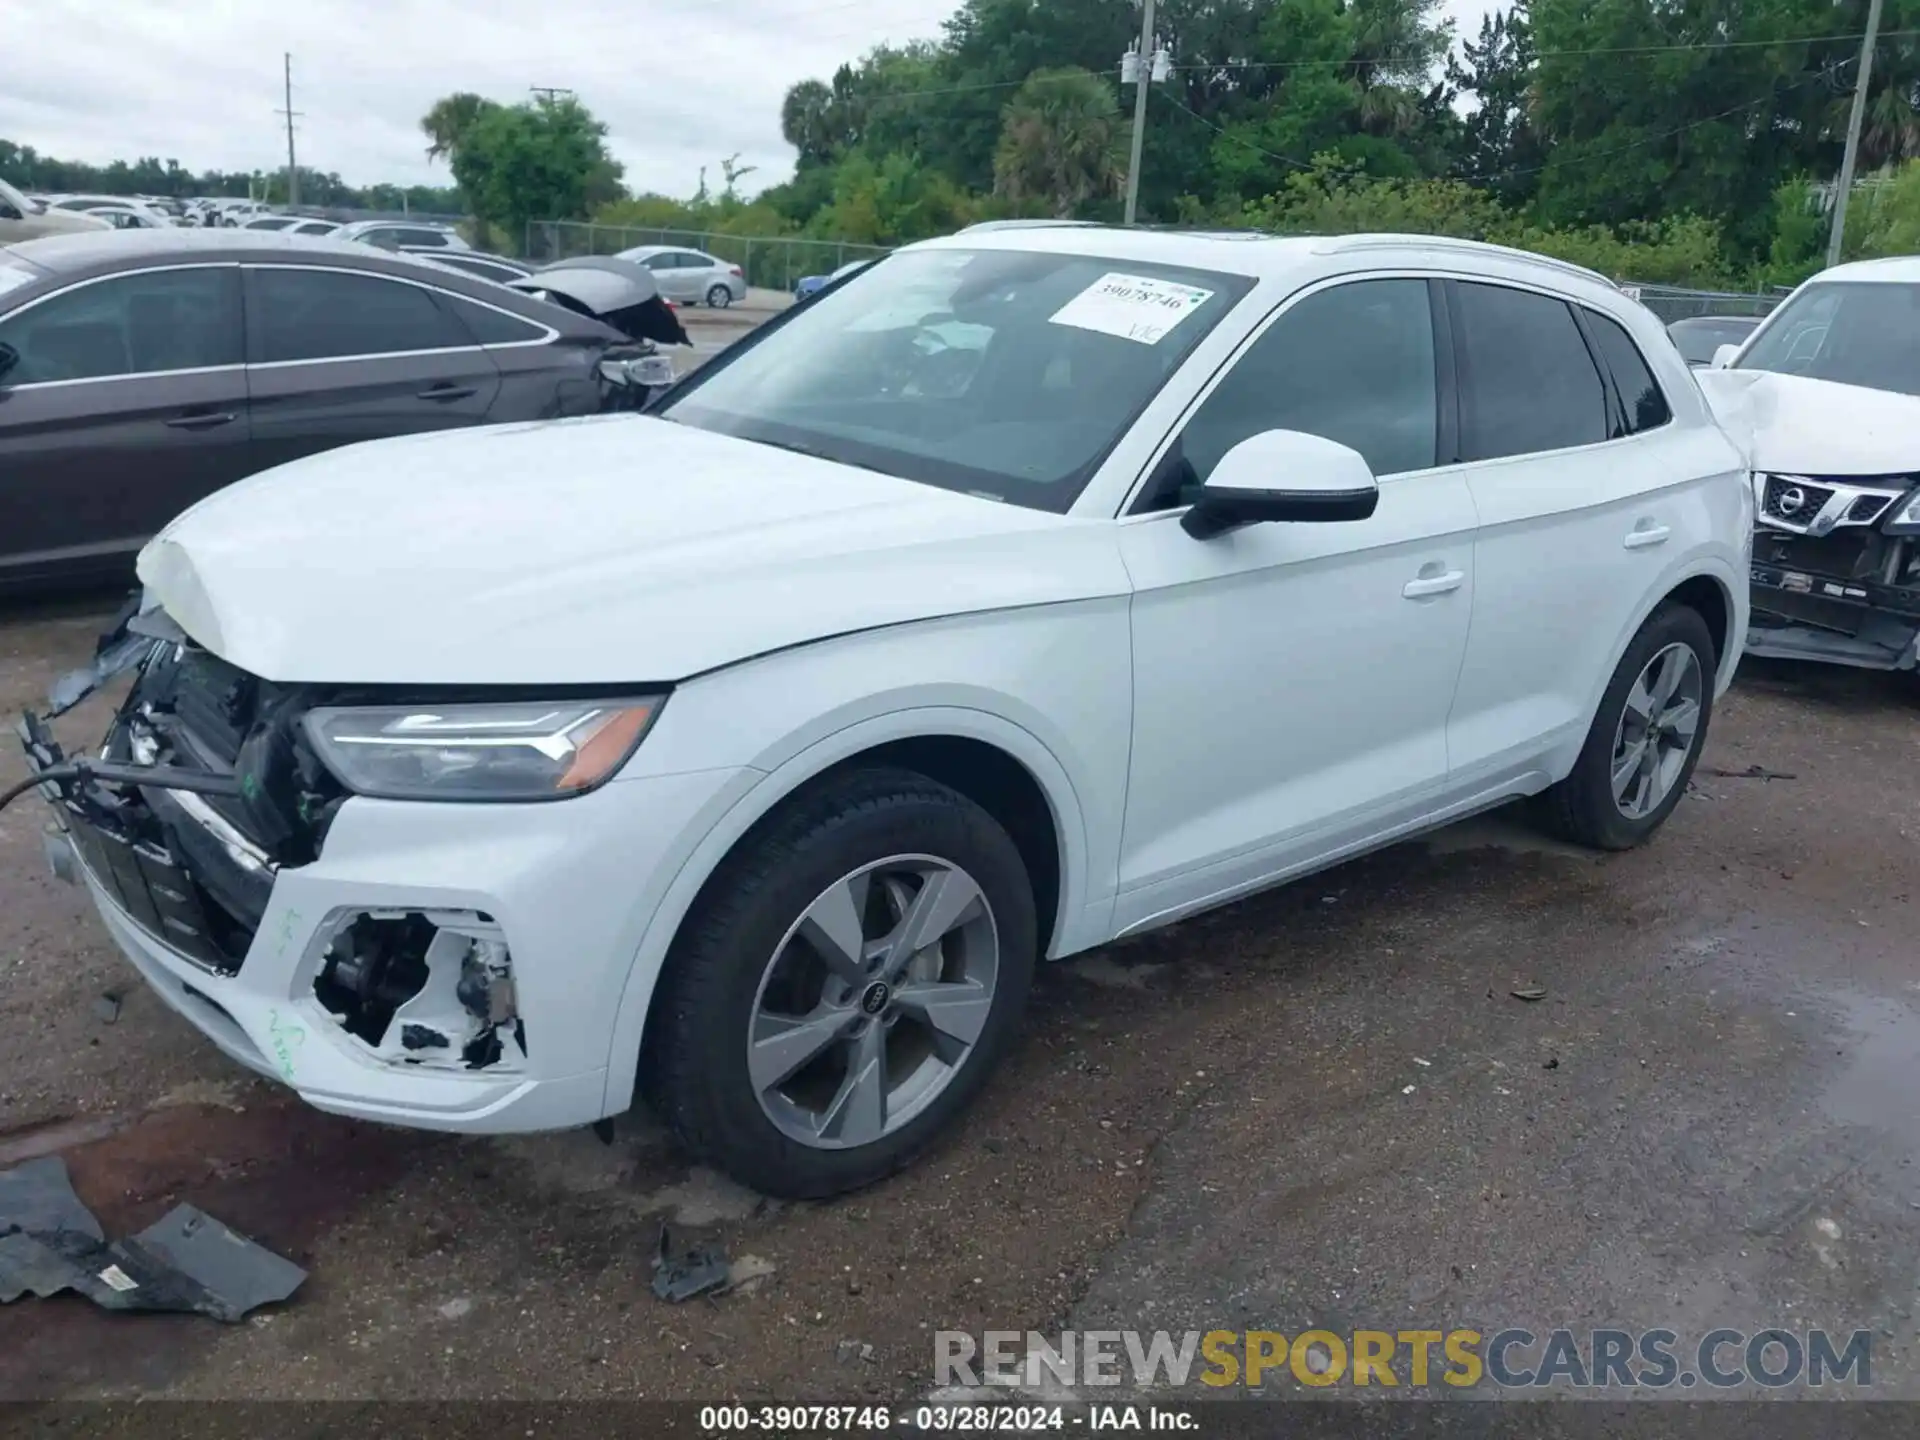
{"x":493,"y":327}
{"x":1643,"y":406}
{"x":1529,"y":382}
{"x":142,"y":324}
{"x":330,"y":314}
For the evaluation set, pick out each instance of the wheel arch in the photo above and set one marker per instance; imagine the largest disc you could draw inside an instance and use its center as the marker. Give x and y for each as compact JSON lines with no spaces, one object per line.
{"x":1705,"y":586}
{"x":1000,"y":765}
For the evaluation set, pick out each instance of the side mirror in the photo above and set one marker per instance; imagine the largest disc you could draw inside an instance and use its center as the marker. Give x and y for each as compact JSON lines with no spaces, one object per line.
{"x":1282,"y":475}
{"x":1723,"y":356}
{"x":9,"y":357}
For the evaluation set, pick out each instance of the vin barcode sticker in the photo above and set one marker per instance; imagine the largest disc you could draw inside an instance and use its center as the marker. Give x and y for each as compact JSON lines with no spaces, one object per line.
{"x":1133,"y":307}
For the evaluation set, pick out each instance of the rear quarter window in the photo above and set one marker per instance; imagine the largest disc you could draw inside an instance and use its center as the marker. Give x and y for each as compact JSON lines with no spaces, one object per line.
{"x":1643,"y":404}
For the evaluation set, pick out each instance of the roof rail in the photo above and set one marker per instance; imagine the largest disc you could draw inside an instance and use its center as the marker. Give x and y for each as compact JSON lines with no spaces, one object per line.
{"x":982,"y":225}
{"x":1337,"y":243}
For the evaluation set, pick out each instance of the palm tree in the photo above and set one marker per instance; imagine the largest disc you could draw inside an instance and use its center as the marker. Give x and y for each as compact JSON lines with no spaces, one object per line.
{"x":1060,"y":141}
{"x":451,"y":118}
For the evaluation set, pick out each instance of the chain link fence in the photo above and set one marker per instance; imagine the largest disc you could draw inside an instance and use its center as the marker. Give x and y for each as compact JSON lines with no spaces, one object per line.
{"x":773,"y":262}
{"x":1673,"y":303}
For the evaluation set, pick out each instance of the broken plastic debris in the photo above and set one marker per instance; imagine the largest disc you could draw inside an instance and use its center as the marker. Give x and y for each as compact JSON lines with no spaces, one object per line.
{"x":1752,"y":772}
{"x":694,"y":1272}
{"x":187,"y":1262}
{"x":1528,"y":992}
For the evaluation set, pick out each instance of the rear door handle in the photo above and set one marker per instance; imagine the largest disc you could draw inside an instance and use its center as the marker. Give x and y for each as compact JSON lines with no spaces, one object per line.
{"x":448,"y":392}
{"x":201,"y":422}
{"x":1433,"y":584}
{"x":1646,"y":533}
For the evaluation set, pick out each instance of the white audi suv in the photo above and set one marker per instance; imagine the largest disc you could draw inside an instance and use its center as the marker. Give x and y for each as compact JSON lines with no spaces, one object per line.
{"x":1034,"y":587}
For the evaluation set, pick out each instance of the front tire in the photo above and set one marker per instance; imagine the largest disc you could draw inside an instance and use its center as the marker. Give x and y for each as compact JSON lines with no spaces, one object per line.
{"x":719,"y":297}
{"x":844,"y":986}
{"x":1646,"y":737}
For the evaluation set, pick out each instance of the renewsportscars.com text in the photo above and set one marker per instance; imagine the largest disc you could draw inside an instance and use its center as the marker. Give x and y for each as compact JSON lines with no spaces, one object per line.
{"x":1459,"y":1358}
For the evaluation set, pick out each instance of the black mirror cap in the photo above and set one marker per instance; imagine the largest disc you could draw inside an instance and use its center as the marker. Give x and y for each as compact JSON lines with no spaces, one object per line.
{"x":1217,"y":511}
{"x":9,"y":357}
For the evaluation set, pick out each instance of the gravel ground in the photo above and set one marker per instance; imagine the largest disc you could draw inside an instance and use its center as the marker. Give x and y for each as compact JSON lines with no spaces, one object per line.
{"x":1323,"y":1105}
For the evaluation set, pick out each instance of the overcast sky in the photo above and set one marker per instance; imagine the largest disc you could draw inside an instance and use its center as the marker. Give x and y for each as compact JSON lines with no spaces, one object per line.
{"x":680,"y":85}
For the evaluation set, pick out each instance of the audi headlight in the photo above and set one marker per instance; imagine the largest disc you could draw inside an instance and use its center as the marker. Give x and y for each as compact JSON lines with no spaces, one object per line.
{"x":518,"y":750}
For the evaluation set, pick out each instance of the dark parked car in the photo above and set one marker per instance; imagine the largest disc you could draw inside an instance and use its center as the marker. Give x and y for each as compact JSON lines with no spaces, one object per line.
{"x":1697,"y":338}
{"x":141,"y":370}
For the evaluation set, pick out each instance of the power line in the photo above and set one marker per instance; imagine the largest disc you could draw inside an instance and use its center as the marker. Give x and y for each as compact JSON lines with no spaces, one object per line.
{"x":1832,"y":72}
{"x":1641,"y":143}
{"x":1392,"y":62}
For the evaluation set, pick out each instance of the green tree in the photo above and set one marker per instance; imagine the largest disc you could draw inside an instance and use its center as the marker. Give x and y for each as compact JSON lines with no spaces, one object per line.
{"x":451,"y":119}
{"x":543,"y":159}
{"x":1499,"y":148}
{"x":1062,"y":142}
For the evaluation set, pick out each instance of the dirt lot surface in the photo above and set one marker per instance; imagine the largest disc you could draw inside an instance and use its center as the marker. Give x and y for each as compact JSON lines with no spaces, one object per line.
{"x":1321,"y":1106}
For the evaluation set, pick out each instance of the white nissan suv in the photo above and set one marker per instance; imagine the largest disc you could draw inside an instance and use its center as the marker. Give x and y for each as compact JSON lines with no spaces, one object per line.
{"x":1034,"y":587}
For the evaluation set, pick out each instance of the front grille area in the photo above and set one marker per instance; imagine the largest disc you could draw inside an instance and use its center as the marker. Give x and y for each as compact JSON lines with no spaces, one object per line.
{"x":1867,"y":508}
{"x":1792,"y":499}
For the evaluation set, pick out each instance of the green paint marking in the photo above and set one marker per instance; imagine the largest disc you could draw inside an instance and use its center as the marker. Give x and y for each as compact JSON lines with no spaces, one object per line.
{"x":284,"y":1036}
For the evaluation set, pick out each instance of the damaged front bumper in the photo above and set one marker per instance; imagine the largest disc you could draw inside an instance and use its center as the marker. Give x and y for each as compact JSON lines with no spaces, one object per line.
{"x":1834,"y":578}
{"x":442,"y":966}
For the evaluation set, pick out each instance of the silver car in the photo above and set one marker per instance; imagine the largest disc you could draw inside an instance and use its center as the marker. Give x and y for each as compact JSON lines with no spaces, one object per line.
{"x":398,"y":234}
{"x":691,"y":277}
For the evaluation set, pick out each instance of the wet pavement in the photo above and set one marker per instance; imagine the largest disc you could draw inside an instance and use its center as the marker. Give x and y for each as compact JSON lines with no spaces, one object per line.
{"x":1324,"y":1106}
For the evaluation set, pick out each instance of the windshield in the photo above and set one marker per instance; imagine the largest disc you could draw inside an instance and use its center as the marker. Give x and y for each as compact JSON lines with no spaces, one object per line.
{"x":1855,"y":332}
{"x":14,"y":198}
{"x":1001,"y":373}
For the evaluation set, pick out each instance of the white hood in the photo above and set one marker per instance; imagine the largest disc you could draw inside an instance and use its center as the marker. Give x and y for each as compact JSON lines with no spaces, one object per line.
{"x":610,"y":549}
{"x":1788,"y":424}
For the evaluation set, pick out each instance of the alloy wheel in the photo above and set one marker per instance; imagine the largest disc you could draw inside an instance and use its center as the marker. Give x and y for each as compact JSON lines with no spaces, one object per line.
{"x":1659,"y":726}
{"x":873,"y":1001}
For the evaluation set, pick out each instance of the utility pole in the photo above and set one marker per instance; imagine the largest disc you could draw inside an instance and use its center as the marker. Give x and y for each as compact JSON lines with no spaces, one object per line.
{"x":549,"y":92}
{"x":1142,"y":77}
{"x":1853,"y":134}
{"x":293,"y":166}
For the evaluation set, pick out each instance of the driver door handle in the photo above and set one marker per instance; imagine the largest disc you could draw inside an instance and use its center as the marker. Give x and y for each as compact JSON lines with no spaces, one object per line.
{"x":448,"y":392}
{"x":1427,"y":585}
{"x":1646,"y":533}
{"x":202,"y":421}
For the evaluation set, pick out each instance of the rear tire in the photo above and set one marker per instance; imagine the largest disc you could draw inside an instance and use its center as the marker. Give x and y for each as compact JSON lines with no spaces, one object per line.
{"x":754,"y":967}
{"x":719,"y":297}
{"x":1646,"y":737}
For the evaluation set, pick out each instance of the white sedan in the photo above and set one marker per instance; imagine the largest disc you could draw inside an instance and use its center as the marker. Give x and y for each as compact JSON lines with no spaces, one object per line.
{"x":1034,"y":588}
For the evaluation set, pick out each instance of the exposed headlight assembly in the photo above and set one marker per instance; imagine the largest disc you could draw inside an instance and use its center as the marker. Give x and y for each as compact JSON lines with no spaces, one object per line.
{"x":515,"y":750}
{"x":1905,"y":519}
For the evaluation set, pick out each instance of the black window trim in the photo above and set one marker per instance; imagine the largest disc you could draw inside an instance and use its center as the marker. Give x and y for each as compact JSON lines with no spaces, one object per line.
{"x":551,"y":333}
{"x":1463,"y":367}
{"x":1582,"y":316}
{"x":155,"y":269}
{"x":1446,"y":400}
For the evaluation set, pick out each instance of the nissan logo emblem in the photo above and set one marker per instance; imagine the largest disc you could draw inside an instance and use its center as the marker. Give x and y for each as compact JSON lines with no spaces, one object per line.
{"x":1791,"y":500}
